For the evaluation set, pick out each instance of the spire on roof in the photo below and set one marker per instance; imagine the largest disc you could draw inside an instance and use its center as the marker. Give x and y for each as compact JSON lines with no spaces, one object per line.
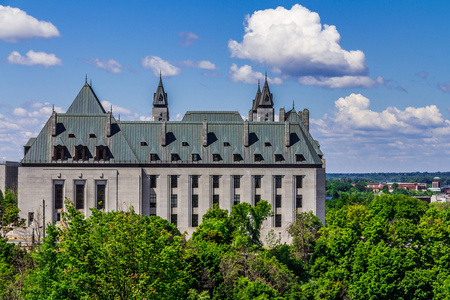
{"x":85,"y":79}
{"x":266,"y":98}
{"x":160,"y":97}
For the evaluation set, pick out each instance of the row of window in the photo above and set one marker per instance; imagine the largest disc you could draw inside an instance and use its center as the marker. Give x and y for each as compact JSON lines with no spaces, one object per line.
{"x":217,"y":157}
{"x":216,"y":181}
{"x":82,"y":153}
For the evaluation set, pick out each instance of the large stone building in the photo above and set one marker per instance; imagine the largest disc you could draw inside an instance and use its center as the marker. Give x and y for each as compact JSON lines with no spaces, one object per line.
{"x":174,"y":169}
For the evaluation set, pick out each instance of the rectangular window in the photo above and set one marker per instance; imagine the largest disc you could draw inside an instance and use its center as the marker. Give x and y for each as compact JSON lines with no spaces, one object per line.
{"x":152,"y":204}
{"x":59,"y":195}
{"x":174,"y":200}
{"x":298,"y":201}
{"x":216,"y":181}
{"x":278,"y":157}
{"x":257,"y":181}
{"x":79,"y":195}
{"x":277,"y":220}
{"x":194,"y":201}
{"x":237,"y":181}
{"x":215,"y":199}
{"x":101,"y":194}
{"x":153,"y":181}
{"x":174,"y":219}
{"x":174,"y":157}
{"x":194,"y":181}
{"x":30,"y":218}
{"x":194,"y":220}
{"x":154,"y":157}
{"x":298,"y":182}
{"x":237,"y":199}
{"x":195,"y":157}
{"x":144,"y":144}
{"x":185,"y":144}
{"x":173,"y":181}
{"x":237,"y":157}
{"x":278,"y":182}
{"x":278,"y":201}
{"x":257,"y":199}
{"x":226,"y":144}
{"x":258,"y":157}
{"x":216,"y":157}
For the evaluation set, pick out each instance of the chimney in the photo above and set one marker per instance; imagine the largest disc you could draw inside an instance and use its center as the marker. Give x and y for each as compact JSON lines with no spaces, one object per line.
{"x":54,"y":123}
{"x":281,"y":115}
{"x":246,"y":134}
{"x":108,"y":124}
{"x":305,"y":118}
{"x":163,"y":133}
{"x":287,"y":134}
{"x":205,"y":133}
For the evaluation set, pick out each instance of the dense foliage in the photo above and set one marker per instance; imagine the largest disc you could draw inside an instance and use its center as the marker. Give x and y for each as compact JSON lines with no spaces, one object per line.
{"x":383,"y":247}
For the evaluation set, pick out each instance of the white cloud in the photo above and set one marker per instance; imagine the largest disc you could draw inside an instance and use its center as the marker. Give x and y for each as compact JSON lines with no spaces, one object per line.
{"x":15,"y":25}
{"x":157,"y":64}
{"x":295,"y":43}
{"x":342,"y":82}
{"x":245,"y":74}
{"x":34,"y":58}
{"x":188,"y":38}
{"x":203,"y":64}
{"x":110,"y":65}
{"x":444,"y":87}
{"x":355,"y":138}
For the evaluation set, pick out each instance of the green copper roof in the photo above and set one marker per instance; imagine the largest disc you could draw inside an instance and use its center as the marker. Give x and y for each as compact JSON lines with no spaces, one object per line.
{"x":86,"y":102}
{"x":211,"y":116}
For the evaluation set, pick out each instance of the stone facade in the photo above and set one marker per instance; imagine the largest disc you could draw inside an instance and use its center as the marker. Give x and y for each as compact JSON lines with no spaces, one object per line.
{"x":176,"y":170}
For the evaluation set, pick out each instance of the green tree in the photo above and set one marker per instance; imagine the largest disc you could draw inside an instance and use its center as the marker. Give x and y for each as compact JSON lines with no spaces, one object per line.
{"x":114,"y":255}
{"x":305,"y":232}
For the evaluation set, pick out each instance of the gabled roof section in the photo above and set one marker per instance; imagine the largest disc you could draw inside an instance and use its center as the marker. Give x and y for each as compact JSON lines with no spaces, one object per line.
{"x":212,"y":116}
{"x":160,"y":97}
{"x":86,"y":102}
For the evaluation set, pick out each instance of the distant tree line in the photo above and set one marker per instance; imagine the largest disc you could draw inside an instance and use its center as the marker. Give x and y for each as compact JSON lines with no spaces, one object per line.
{"x":424,"y":177}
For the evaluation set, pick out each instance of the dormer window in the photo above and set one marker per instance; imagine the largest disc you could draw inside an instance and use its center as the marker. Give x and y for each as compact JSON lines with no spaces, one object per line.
{"x":92,"y":135}
{"x":267,"y":144}
{"x":174,"y":157}
{"x":144,"y":144}
{"x":195,"y":157}
{"x":216,"y":157}
{"x":299,"y":158}
{"x":237,"y":157}
{"x":185,"y":144}
{"x":101,"y":153}
{"x":154,"y":157}
{"x":278,"y":157}
{"x":80,"y":153}
{"x":71,"y":135}
{"x":226,"y":144}
{"x":59,"y":153}
{"x":258,"y":157}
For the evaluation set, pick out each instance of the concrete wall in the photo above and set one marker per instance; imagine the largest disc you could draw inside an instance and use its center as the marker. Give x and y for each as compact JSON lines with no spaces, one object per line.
{"x":127,"y":187}
{"x":9,"y":175}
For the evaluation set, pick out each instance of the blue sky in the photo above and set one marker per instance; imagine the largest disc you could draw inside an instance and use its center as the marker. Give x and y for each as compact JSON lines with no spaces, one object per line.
{"x":372,"y":73}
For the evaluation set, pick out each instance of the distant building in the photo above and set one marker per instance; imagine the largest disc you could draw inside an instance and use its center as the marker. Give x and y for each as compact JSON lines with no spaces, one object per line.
{"x":8,"y":175}
{"x":174,"y":169}
{"x":376,"y":187}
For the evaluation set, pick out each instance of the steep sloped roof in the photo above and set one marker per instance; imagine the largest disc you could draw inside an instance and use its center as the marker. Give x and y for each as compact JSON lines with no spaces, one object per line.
{"x":86,"y":102}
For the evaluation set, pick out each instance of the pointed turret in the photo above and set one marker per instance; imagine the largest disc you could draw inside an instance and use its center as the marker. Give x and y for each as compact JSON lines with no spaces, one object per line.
{"x":262,"y":108}
{"x":160,"y":111}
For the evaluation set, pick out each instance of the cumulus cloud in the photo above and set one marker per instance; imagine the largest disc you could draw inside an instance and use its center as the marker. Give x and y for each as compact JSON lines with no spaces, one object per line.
{"x":15,"y":25}
{"x":245,"y":74}
{"x":444,"y":87}
{"x":18,"y":124}
{"x":34,"y":58}
{"x":157,"y":64}
{"x":295,"y":43}
{"x":188,"y":38}
{"x":343,"y":81}
{"x":110,"y":65}
{"x":356,"y":138}
{"x":203,"y":64}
